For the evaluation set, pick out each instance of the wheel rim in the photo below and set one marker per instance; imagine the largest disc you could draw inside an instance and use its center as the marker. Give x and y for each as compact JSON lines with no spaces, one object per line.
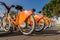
{"x":6,"y":25}
{"x":29,"y":26}
{"x":39,"y":26}
{"x":50,"y":24}
{"x":47,"y":25}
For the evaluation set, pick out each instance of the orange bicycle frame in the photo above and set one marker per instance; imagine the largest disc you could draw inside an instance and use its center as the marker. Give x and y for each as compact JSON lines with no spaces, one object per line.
{"x":21,"y":17}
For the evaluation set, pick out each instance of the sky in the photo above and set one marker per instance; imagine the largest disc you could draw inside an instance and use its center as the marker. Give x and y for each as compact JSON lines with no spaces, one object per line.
{"x":28,"y":4}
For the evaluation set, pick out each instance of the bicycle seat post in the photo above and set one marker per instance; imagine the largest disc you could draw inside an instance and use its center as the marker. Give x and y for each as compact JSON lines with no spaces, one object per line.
{"x":9,"y":8}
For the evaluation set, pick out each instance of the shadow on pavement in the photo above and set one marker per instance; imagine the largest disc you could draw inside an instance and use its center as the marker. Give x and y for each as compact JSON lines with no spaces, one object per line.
{"x":46,"y":33}
{"x":10,"y":34}
{"x":43,"y":33}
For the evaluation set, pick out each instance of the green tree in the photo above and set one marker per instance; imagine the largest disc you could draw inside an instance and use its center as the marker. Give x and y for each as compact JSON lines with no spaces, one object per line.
{"x":52,"y":8}
{"x":13,"y":12}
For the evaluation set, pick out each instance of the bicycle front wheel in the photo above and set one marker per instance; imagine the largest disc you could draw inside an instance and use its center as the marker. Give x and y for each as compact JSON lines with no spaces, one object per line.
{"x":28,"y":26}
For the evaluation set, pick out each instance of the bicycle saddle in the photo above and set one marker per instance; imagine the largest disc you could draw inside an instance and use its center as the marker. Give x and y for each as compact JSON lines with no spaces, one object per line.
{"x":33,"y":10}
{"x":18,"y":7}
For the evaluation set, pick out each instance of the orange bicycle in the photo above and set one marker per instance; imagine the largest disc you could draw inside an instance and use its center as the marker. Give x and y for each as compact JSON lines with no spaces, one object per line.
{"x":40,"y":23}
{"x":21,"y":20}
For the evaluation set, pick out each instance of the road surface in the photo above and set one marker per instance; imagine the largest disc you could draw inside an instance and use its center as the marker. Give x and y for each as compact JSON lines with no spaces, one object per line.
{"x":49,"y":34}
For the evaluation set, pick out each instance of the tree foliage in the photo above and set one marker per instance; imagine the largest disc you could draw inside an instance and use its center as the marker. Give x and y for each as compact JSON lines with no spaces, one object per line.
{"x":13,"y":12}
{"x":52,"y":8}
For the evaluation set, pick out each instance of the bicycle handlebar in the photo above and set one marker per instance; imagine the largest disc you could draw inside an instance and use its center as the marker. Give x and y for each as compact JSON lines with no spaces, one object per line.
{"x":2,"y":3}
{"x":7,"y":7}
{"x":18,"y":7}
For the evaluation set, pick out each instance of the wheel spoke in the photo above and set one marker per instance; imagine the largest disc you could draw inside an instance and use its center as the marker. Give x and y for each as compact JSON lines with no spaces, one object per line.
{"x":29,"y":26}
{"x":40,"y":25}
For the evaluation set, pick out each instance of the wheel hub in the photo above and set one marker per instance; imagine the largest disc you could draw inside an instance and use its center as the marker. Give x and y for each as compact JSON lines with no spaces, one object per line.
{"x":23,"y":25}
